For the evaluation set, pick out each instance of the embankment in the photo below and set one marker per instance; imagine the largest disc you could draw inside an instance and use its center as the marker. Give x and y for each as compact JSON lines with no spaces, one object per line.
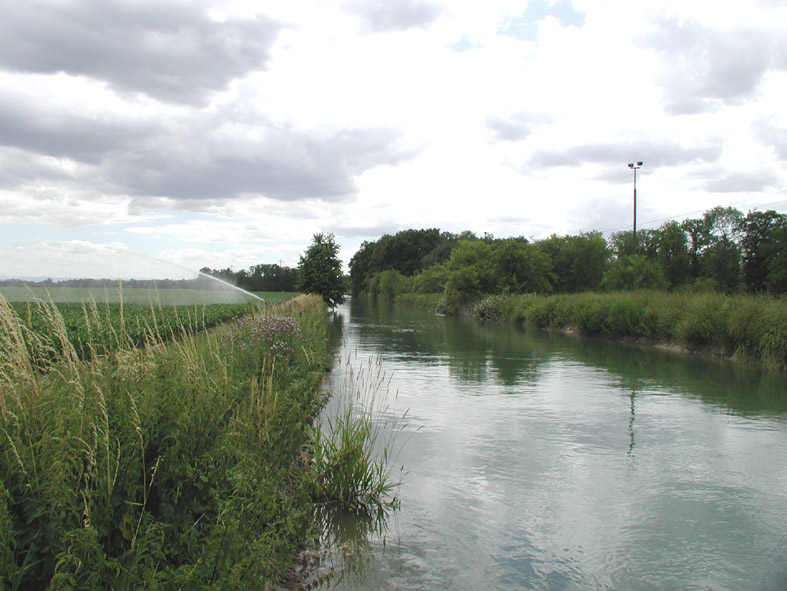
{"x":750,"y":329}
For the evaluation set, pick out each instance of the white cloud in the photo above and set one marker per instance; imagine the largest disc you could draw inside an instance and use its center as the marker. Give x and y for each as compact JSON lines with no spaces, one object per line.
{"x":171,"y":50}
{"x":236,"y":129}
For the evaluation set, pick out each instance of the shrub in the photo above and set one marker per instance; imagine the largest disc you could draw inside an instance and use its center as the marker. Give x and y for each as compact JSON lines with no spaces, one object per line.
{"x":490,"y":309}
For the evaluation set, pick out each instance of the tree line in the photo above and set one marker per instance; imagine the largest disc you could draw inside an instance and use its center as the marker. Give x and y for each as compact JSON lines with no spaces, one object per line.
{"x":262,"y":277}
{"x":724,"y":250}
{"x":256,"y":278}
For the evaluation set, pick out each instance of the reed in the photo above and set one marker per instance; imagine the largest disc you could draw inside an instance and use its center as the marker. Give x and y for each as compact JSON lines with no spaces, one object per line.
{"x":351,"y":462}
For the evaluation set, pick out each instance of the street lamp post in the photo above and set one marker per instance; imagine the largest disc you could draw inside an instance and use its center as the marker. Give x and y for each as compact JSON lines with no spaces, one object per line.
{"x":635,"y":168}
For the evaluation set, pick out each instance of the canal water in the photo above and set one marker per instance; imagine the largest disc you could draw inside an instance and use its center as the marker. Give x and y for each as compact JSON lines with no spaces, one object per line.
{"x":534,"y":460}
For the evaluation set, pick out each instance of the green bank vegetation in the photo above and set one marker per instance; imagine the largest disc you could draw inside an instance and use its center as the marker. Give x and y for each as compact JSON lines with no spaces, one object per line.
{"x":185,"y":461}
{"x":714,"y":283}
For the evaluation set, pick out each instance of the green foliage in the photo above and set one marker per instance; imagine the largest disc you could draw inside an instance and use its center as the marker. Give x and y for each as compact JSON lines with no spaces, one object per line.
{"x":97,"y":329}
{"x":520,"y":267}
{"x":673,"y":254}
{"x":722,"y":264}
{"x":751,"y":327}
{"x":431,"y":280}
{"x":705,"y":323}
{"x":470,"y":274}
{"x":176,"y":465}
{"x":361,"y":270}
{"x":761,"y":230}
{"x":347,"y":473}
{"x":721,"y":249}
{"x":634,"y":272}
{"x":320,"y":270}
{"x":271,"y":278}
{"x":622,"y":243}
{"x":776,"y":256}
{"x":388,"y":284}
{"x":578,"y":262}
{"x":490,"y":309}
{"x":406,"y":252}
{"x":350,"y":467}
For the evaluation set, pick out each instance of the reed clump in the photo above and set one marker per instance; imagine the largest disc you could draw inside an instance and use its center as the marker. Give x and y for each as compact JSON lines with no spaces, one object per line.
{"x":351,"y":463}
{"x":180,"y":464}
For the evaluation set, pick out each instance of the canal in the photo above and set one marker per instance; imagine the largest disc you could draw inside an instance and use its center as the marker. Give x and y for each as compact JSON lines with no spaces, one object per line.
{"x":535,"y":460}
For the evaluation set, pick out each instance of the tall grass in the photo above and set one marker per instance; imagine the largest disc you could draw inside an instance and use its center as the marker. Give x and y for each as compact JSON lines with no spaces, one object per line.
{"x":352,"y":464}
{"x":177,"y":465}
{"x":751,"y":328}
{"x":356,"y":444}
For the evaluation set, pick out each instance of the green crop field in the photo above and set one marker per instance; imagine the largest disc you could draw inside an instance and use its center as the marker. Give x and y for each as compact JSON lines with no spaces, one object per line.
{"x":100,"y":320}
{"x":166,"y":297}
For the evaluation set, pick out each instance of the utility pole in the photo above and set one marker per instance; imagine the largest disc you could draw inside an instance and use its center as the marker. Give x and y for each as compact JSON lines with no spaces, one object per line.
{"x":635,"y":168}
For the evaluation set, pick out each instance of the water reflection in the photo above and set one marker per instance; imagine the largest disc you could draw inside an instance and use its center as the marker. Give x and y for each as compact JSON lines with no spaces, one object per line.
{"x":511,"y":356}
{"x":545,"y":461}
{"x":346,"y":541}
{"x":631,"y":424}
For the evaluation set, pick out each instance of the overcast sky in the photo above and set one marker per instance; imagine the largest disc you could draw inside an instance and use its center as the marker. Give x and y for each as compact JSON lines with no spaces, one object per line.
{"x":218,"y":133}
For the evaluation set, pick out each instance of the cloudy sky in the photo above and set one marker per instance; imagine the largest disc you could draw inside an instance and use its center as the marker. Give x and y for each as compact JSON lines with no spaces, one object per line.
{"x":218,"y":133}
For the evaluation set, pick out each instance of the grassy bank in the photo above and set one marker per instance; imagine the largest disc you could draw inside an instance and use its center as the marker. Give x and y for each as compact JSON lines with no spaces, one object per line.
{"x":183,"y":464}
{"x":748,"y":328}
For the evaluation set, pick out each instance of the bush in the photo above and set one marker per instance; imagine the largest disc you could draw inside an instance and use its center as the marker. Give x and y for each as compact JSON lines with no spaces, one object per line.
{"x":490,"y":309}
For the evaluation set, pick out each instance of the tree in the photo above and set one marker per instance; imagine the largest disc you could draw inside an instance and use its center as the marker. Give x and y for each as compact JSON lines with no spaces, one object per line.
{"x":777,"y":261}
{"x":470,"y":274}
{"x":405,"y":250}
{"x":699,"y":237}
{"x":408,"y":252}
{"x":721,"y":260}
{"x":634,"y":272}
{"x":622,"y":243}
{"x":320,"y":270}
{"x":673,"y":254}
{"x":361,"y":270}
{"x":578,"y":262}
{"x":757,"y":246}
{"x":520,"y":267}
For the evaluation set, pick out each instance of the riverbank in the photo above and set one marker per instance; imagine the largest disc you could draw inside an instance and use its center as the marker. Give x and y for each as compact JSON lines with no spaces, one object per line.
{"x":177,"y":464}
{"x":749,"y":329}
